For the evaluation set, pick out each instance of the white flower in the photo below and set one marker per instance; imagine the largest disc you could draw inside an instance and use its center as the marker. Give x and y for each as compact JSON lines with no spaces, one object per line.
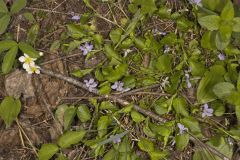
{"x":33,"y":69}
{"x":182,"y":128}
{"x":118,"y":86}
{"x":41,"y":53}
{"x":189,"y":85}
{"x":207,"y":111}
{"x":91,"y":84}
{"x":126,"y":52}
{"x":27,"y":61}
{"x":157,"y":32}
{"x":221,"y":57}
{"x":166,"y":49}
{"x":165,"y":82}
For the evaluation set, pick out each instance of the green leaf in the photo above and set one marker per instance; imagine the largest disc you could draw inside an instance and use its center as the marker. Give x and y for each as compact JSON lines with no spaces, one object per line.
{"x":222,"y":146}
{"x":180,"y":106}
{"x":115,"y":35}
{"x":112,"y":154}
{"x":83,"y":113}
{"x":137,"y":117}
{"x":112,"y":55}
{"x":32,"y":34}
{"x":164,"y":63}
{"x":236,"y":24}
{"x":210,"y":22}
{"x":193,"y":125}
{"x":204,"y":92}
{"x":3,"y":7}
{"x":103,"y":123}
{"x":9,"y":110}
{"x":28,"y":49}
{"x":182,"y":141}
{"x":18,"y":5}
{"x":6,"y":45}
{"x":221,"y":42}
{"x":156,"y":154}
{"x":161,"y":106}
{"x":223,"y":89}
{"x":147,"y":7}
{"x":112,"y":138}
{"x":29,"y":16}
{"x":197,"y":68}
{"x":69,"y":115}
{"x":116,"y":73}
{"x":228,"y":12}
{"x":70,"y":137}
{"x":55,"y":46}
{"x":4,"y":21}
{"x":59,"y":114}
{"x":146,"y":145}
{"x":47,"y":151}
{"x":80,"y":73}
{"x":108,"y":105}
{"x":62,"y":157}
{"x":76,"y":31}
{"x":9,"y":59}
{"x":208,"y":40}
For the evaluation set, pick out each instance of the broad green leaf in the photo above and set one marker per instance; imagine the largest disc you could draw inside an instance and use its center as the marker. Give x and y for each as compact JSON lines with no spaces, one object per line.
{"x":183,"y":24}
{"x":137,"y":117}
{"x":80,"y":73}
{"x":104,"y":88}
{"x":182,"y":141}
{"x":202,"y":154}
{"x":62,"y":157}
{"x":210,"y":22}
{"x":103,"y":123}
{"x":83,"y":113}
{"x":146,"y":145}
{"x":221,"y":42}
{"x":236,"y":24}
{"x":107,"y":105}
{"x":69,"y":115}
{"x":115,"y":35}
{"x":147,"y":7}
{"x":215,"y":75}
{"x":161,"y":106}
{"x":112,"y":154}
{"x":76,"y":31}
{"x":218,"y":107}
{"x":9,"y":59}
{"x":180,"y":106}
{"x":18,"y":5}
{"x":228,"y":12}
{"x":208,"y":40}
{"x":193,"y":125}
{"x":223,"y":89}
{"x":113,"y":74}
{"x":156,"y":154}
{"x":28,"y":49}
{"x":112,"y":55}
{"x":4,"y":21}
{"x":197,"y":68}
{"x":47,"y":151}
{"x":70,"y":137}
{"x":3,"y":7}
{"x":29,"y":16}
{"x":6,"y":45}
{"x":9,"y":110}
{"x":32,"y":34}
{"x":164,"y":63}
{"x":221,"y":145}
{"x":59,"y":114}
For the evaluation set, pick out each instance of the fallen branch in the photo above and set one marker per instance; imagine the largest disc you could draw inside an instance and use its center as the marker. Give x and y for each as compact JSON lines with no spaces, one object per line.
{"x":111,"y":97}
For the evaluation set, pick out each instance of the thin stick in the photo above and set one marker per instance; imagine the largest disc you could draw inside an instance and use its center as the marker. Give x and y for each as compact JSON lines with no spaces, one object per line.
{"x":111,"y":97}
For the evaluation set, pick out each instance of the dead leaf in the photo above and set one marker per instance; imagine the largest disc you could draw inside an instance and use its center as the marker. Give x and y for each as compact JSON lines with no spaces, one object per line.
{"x":19,"y":83}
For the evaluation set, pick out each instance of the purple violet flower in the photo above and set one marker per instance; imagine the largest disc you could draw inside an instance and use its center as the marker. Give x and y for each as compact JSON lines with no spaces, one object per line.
{"x":207,"y":111}
{"x":86,"y":48}
{"x":76,"y":18}
{"x":221,"y":57}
